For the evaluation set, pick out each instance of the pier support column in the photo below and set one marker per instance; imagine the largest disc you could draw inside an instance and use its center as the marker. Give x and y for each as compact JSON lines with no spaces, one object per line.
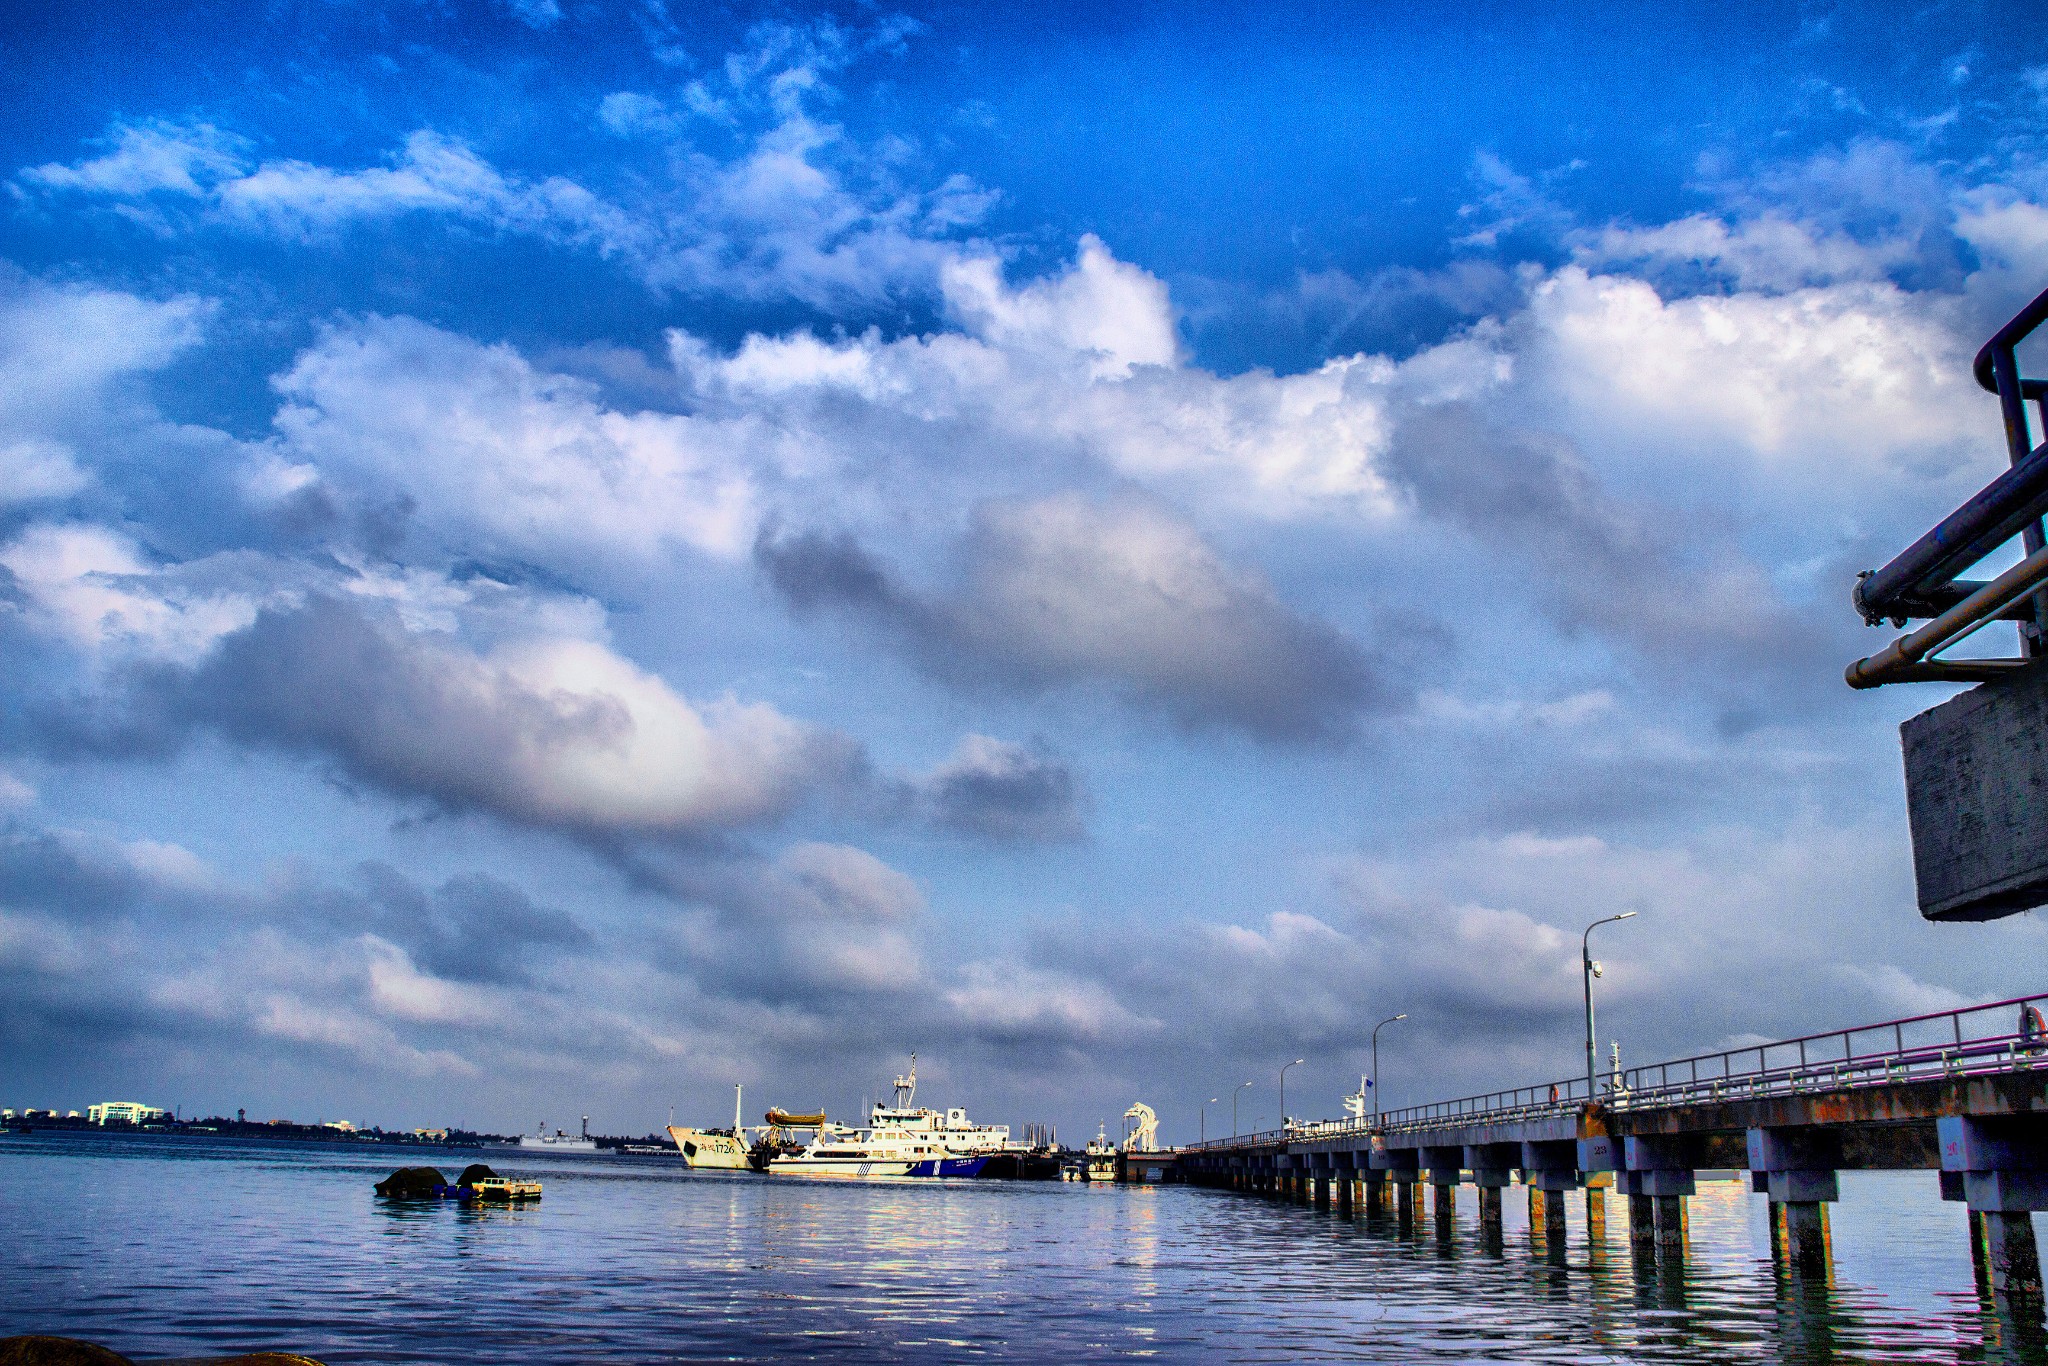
{"x":2003,"y":1165}
{"x":1446,"y":1168}
{"x":1490,"y":1218}
{"x":1551,"y":1167}
{"x":1346,"y":1181}
{"x":2012,"y":1262}
{"x":1596,"y":1209}
{"x":1538,"y":1200}
{"x":1796,"y":1168}
{"x":1491,"y":1164}
{"x":1670,"y":1225}
{"x":1397,"y":1169}
{"x":1660,"y":1167}
{"x":1407,"y":1200}
{"x":1642,"y":1227}
{"x":1980,"y":1269}
{"x":1322,"y":1189}
{"x":1799,"y":1238}
{"x":1376,"y":1201}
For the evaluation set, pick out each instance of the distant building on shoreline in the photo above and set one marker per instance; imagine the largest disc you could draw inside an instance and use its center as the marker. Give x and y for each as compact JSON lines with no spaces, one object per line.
{"x":124,"y":1112}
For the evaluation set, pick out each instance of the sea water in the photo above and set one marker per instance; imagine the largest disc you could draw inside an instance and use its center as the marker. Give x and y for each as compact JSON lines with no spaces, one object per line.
{"x":166,"y":1248}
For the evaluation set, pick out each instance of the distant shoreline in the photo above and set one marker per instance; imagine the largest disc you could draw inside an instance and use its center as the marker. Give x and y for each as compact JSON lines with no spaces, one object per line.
{"x":245,"y":1132}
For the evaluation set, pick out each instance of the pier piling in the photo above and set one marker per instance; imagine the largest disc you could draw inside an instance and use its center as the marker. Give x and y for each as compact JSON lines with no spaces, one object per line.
{"x":1800,"y":1243}
{"x":1642,"y":1229}
{"x":1490,"y":1220}
{"x":1670,"y":1225}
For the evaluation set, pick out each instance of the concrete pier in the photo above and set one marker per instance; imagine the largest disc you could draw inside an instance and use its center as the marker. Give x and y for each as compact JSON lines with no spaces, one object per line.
{"x":1971,"y":1107}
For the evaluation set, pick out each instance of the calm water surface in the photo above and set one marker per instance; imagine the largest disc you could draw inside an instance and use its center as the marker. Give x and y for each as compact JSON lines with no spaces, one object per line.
{"x":167,"y":1248}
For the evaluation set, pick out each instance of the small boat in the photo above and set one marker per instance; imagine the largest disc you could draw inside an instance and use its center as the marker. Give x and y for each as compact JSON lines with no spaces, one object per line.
{"x":498,"y":1188}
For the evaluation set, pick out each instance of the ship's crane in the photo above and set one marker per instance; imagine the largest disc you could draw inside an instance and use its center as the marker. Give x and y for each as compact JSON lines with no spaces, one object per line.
{"x":1144,"y":1138}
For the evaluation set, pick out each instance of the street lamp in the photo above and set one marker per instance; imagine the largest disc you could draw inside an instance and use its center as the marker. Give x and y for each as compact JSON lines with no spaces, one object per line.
{"x":1376,"y":1087}
{"x":1283,"y":1090}
{"x":1205,"y":1117}
{"x":1233,"y":1108}
{"x":1590,"y":970}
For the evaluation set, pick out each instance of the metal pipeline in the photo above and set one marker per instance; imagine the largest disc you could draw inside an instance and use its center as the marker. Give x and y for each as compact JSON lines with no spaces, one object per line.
{"x":2003,"y":509}
{"x":1918,"y":581}
{"x":1901,"y":661}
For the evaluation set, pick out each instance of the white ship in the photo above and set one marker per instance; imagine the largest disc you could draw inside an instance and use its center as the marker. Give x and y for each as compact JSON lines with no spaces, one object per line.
{"x":900,"y":1141}
{"x":716,"y":1149}
{"x":1099,"y":1157}
{"x":559,"y":1141}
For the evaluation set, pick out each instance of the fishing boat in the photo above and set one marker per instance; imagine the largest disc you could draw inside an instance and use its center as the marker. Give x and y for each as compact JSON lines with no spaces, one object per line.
{"x":900,"y":1141}
{"x":1098,"y":1159}
{"x":715,"y":1149}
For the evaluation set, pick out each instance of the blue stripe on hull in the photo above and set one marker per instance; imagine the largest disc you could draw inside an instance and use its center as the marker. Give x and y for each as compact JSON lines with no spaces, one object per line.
{"x":949,"y":1166}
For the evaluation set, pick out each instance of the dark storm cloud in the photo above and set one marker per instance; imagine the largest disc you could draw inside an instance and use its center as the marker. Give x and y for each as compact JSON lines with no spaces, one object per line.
{"x":472,"y":928}
{"x":72,"y":875}
{"x":1006,"y":792}
{"x":1066,"y":590}
{"x":818,"y":927}
{"x":1661,"y":581}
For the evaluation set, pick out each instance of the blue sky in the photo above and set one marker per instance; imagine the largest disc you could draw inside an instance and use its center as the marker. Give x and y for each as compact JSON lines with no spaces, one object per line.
{"x":554,"y":557}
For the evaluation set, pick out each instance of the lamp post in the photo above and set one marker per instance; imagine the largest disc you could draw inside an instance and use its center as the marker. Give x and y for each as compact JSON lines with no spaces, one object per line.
{"x":1205,"y":1117}
{"x":1376,"y":1087}
{"x":1283,"y":1089}
{"x":1590,"y":970}
{"x":1233,"y":1108}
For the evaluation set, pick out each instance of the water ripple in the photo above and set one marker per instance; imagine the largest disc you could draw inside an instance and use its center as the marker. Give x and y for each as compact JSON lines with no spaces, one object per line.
{"x":180,"y":1248}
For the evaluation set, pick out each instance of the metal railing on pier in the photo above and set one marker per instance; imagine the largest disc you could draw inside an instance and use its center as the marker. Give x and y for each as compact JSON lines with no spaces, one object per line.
{"x":2000,"y":1036}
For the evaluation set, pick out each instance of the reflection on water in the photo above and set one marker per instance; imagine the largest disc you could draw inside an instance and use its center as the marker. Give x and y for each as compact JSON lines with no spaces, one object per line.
{"x":167,"y":1248}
